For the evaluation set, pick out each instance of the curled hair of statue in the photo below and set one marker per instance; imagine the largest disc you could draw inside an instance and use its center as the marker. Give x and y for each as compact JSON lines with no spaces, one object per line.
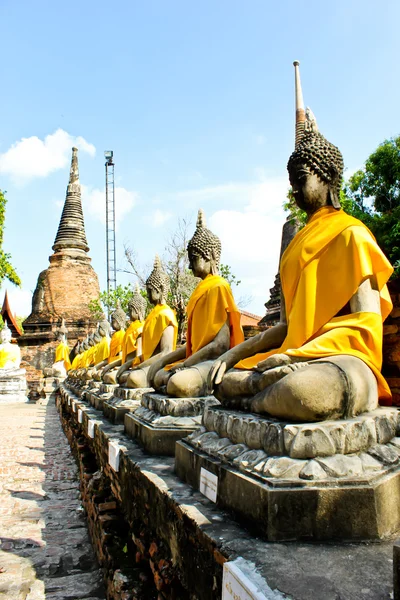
{"x":119,"y":315}
{"x":158,"y":278}
{"x":137,"y":303}
{"x":204,"y":242}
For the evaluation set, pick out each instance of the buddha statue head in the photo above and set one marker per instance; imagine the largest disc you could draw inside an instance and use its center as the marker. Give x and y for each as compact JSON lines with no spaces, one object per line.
{"x":5,"y":334}
{"x":157,"y":284}
{"x":118,"y":318}
{"x":315,"y":172}
{"x":137,"y":306}
{"x":103,"y":328}
{"x":85,"y":344}
{"x":62,"y":332}
{"x":204,"y":249}
{"x":316,"y":166}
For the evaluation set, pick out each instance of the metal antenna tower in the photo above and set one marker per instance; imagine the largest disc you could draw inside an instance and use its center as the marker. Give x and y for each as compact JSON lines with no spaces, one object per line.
{"x":110,"y":222}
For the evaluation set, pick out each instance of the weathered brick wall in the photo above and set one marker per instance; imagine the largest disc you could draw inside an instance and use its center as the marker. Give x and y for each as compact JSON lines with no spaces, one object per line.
{"x":391,"y":343}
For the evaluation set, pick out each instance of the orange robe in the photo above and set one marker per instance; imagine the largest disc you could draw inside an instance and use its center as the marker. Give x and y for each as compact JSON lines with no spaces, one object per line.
{"x":156,"y":322}
{"x":129,"y":343}
{"x":321,"y":270}
{"x":116,"y":345}
{"x":62,"y":354}
{"x":210,"y":306}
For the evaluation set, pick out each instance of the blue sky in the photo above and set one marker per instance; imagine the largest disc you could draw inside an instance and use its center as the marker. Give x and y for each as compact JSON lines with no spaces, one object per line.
{"x":196,"y":99}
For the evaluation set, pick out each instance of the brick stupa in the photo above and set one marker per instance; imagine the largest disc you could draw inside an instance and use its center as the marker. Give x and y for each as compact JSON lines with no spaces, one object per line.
{"x":65,"y":288}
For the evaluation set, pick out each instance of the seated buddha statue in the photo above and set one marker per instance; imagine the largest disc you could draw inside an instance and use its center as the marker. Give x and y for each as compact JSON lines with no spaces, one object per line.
{"x":100,"y":350}
{"x":132,"y":341}
{"x":118,"y":322}
{"x":76,"y":360}
{"x":323,"y":359}
{"x":213,"y":323}
{"x":61,"y":363}
{"x":159,"y":335}
{"x":10,"y":354}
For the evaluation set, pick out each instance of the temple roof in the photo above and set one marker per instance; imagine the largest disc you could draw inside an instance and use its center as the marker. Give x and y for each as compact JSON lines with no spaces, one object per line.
{"x":71,"y":231}
{"x":8,"y":316}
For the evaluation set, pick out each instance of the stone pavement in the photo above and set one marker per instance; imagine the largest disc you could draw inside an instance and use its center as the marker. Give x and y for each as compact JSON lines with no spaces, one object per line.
{"x":45,"y":551}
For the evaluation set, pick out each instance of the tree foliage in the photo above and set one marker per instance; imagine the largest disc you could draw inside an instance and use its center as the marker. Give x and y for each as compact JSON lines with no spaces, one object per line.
{"x":7,"y":271}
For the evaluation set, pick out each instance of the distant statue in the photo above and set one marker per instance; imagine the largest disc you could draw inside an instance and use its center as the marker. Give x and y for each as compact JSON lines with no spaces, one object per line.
{"x":213,"y":322}
{"x":10,"y":354}
{"x":132,"y":341}
{"x":160,"y":331}
{"x":118,"y":322}
{"x":100,"y":350}
{"x":323,"y":359}
{"x":61,"y":362}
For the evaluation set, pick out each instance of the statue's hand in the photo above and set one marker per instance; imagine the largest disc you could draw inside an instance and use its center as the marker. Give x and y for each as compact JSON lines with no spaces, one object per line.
{"x":216,"y":373}
{"x":276,"y":360}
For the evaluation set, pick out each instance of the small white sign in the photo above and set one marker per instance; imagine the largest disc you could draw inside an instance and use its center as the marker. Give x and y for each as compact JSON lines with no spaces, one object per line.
{"x":90,"y":428}
{"x":69,"y":401}
{"x":237,"y":586}
{"x":208,"y":484}
{"x":80,"y":415}
{"x":113,"y":454}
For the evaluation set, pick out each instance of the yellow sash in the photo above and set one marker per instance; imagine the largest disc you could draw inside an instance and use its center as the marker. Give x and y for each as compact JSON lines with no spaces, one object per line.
{"x":116,"y":345}
{"x":157,"y":321}
{"x":321,"y":270}
{"x":130,"y":338}
{"x":62,"y":354}
{"x":11,"y":355}
{"x":102,"y":351}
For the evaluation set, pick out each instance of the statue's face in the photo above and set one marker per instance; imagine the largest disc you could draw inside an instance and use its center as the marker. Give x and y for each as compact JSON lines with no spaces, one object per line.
{"x":133,"y":314}
{"x":5,"y":336}
{"x":309,"y":191}
{"x":153,"y":295}
{"x":200,"y":266}
{"x":115,"y":325}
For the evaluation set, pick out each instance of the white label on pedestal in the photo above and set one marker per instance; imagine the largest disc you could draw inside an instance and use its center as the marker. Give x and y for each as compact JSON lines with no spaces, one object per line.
{"x":80,"y":415}
{"x":208,"y":484}
{"x":90,"y":428}
{"x":113,"y":454}
{"x":237,"y":586}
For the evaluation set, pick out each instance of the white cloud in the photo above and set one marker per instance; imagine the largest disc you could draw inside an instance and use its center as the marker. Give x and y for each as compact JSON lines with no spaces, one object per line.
{"x":20,"y":301}
{"x":32,"y":157}
{"x":94,"y":202}
{"x":159,"y":217}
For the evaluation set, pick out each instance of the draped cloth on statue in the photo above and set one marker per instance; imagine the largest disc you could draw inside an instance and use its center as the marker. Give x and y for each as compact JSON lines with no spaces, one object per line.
{"x":62,"y":354}
{"x":321,"y":270}
{"x":89,"y":356}
{"x":102,"y":350}
{"x":129,"y":343}
{"x":116,"y":345}
{"x":210,"y":306}
{"x":156,"y":322}
{"x":76,"y":361}
{"x":11,"y":354}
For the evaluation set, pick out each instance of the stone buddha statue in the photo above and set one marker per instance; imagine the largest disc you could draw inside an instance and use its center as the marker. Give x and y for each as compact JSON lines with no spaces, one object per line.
{"x":159,"y":335}
{"x":323,"y":359}
{"x":213,"y":323}
{"x":132,"y":342}
{"x":118,"y":322}
{"x":100,"y":350}
{"x":62,"y":363}
{"x":10,"y":354}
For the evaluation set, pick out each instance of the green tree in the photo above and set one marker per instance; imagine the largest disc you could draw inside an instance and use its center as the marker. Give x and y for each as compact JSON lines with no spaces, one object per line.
{"x":7,"y":271}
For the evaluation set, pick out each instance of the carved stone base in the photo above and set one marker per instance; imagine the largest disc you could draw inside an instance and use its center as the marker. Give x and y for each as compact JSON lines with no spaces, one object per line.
{"x":160,"y":421}
{"x":331,"y":480}
{"x":13,"y":386}
{"x":97,"y":396}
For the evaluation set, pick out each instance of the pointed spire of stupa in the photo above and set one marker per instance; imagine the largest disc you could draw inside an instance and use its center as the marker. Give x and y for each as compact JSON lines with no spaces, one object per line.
{"x":300,"y":112}
{"x":71,"y":231}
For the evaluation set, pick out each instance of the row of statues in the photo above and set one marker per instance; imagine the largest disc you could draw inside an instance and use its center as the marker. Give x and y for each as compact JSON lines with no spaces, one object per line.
{"x":321,"y":361}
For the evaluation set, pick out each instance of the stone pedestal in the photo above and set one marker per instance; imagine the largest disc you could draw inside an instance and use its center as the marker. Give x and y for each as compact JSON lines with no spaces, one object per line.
{"x":124,"y":400}
{"x":160,"y":421}
{"x":321,"y":481}
{"x":51,"y":386}
{"x":13,"y":386}
{"x":100,"y":393}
